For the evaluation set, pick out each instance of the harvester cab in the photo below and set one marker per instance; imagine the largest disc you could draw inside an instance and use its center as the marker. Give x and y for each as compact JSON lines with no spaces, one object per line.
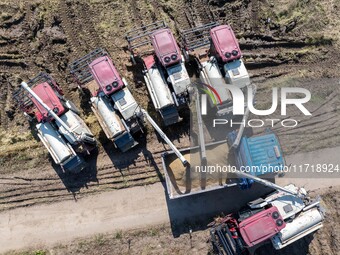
{"x":164,"y":71}
{"x":282,"y":217}
{"x":111,"y":100}
{"x":59,"y":126}
{"x":218,"y":55}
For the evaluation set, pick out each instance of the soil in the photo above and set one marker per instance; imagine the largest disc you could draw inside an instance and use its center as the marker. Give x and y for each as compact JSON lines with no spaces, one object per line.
{"x":281,"y":43}
{"x":159,"y":239}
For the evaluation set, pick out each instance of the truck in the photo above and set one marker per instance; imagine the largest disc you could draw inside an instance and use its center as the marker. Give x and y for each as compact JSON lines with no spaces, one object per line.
{"x":164,"y":71}
{"x":59,"y":127}
{"x":217,"y":53}
{"x":261,"y":155}
{"x":281,"y":218}
{"x":111,"y":100}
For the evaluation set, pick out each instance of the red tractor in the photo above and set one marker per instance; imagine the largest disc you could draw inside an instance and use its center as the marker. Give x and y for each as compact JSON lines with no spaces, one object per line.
{"x":164,"y":71}
{"x":59,"y":127}
{"x":111,"y":100}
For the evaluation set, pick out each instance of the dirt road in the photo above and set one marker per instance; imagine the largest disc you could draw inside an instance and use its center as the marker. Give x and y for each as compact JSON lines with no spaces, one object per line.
{"x":135,"y":207}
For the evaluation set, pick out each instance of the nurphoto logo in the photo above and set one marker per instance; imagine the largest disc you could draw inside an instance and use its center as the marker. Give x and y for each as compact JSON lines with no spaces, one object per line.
{"x":288,"y":96}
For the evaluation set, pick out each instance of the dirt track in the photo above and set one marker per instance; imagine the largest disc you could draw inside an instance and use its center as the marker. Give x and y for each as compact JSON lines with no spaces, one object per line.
{"x":123,"y":210}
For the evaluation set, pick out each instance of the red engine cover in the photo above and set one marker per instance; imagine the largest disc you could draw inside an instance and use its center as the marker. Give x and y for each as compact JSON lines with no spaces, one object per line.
{"x":48,"y":96}
{"x":165,"y":46}
{"x":261,"y":226}
{"x":106,"y":75}
{"x":225,"y":43}
{"x":149,"y":62}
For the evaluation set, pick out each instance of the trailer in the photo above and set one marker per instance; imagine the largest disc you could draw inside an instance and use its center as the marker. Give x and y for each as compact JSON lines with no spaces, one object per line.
{"x":111,"y":100}
{"x":59,"y":127}
{"x":215,"y":170}
{"x":282,"y":218}
{"x":165,"y":75}
{"x":217,"y":53}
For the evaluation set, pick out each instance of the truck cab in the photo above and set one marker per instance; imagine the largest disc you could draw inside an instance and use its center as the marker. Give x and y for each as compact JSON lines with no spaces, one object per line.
{"x":258,"y":155}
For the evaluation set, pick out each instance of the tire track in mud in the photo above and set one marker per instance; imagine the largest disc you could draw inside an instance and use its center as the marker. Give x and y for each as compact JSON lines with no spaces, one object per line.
{"x":85,"y":37}
{"x":202,"y":12}
{"x":13,"y":56}
{"x":81,"y":34}
{"x":18,"y":192}
{"x":255,"y":8}
{"x":194,"y":13}
{"x":322,"y":127}
{"x":67,"y":22}
{"x":21,"y":191}
{"x":92,"y":36}
{"x":3,"y":101}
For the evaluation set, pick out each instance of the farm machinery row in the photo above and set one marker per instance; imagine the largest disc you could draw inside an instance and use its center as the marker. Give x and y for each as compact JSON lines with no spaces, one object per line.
{"x":58,"y":124}
{"x":216,"y":51}
{"x":111,"y":101}
{"x":282,"y":217}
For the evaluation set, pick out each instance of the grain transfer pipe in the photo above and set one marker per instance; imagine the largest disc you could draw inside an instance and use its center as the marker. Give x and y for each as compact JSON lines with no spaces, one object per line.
{"x":48,"y":109}
{"x":165,"y":138}
{"x":265,"y":183}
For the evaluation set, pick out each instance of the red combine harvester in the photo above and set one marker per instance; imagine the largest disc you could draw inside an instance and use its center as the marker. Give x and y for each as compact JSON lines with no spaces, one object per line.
{"x":164,"y":71}
{"x":111,"y":100}
{"x":281,"y":218}
{"x":218,"y":55}
{"x":59,"y":126}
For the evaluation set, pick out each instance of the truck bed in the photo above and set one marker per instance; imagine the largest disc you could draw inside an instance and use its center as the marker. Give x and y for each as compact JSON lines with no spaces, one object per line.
{"x":184,"y":181}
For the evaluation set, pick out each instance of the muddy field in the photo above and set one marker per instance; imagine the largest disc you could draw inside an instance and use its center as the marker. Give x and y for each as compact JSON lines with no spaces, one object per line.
{"x":285,"y":42}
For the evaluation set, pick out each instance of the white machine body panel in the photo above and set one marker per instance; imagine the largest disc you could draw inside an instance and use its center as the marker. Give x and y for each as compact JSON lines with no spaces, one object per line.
{"x":54,"y":143}
{"x":306,"y":223}
{"x":108,"y":119}
{"x":125,"y":103}
{"x":288,"y":205}
{"x":212,"y":76}
{"x":76,"y":124}
{"x":179,"y":78}
{"x":158,"y":89}
{"x":236,"y":74}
